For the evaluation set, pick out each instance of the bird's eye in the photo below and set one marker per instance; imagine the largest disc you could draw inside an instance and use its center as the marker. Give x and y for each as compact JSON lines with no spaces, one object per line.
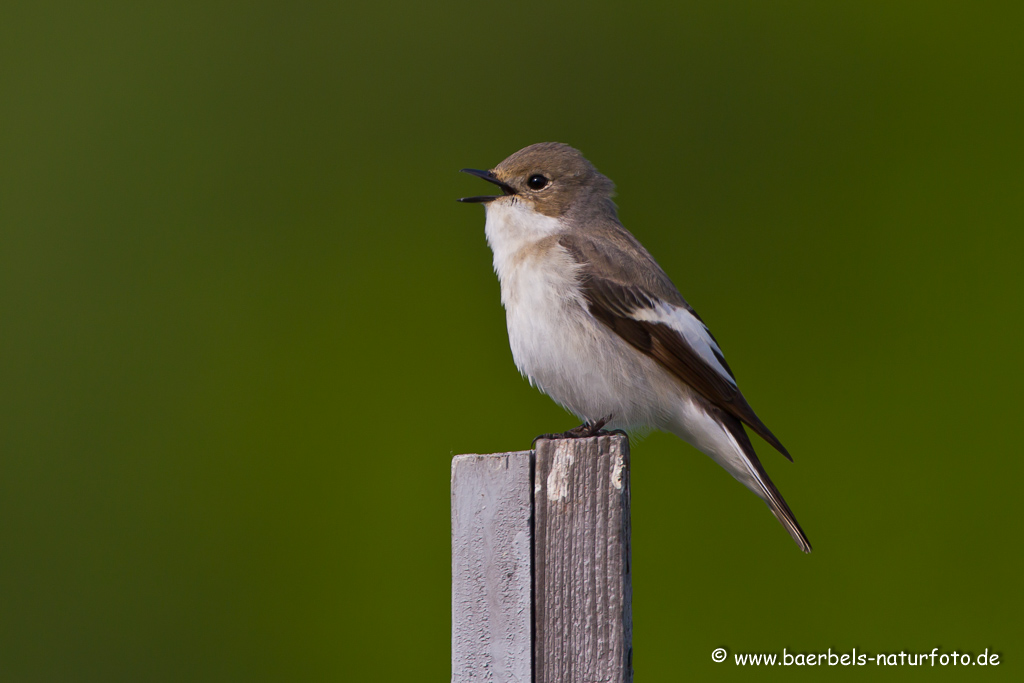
{"x":537,"y":182}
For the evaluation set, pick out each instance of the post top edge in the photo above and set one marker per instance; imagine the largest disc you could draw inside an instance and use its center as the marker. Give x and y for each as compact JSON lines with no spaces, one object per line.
{"x":464,"y":457}
{"x":620,"y":440}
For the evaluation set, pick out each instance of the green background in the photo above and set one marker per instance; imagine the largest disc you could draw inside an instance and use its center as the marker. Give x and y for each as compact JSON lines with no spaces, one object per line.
{"x":244,"y":325}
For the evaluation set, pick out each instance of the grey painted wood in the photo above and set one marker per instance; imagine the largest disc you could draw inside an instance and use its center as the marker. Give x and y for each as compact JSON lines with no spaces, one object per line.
{"x":491,"y":569}
{"x":582,"y":587}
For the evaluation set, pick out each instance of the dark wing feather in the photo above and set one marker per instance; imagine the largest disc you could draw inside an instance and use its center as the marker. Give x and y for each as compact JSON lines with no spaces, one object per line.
{"x":613,"y":303}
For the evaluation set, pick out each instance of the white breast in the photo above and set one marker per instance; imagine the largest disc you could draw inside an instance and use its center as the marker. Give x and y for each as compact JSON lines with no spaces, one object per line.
{"x":555,"y":341}
{"x":538,"y":286}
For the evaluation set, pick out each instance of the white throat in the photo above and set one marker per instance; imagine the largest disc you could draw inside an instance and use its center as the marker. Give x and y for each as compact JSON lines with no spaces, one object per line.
{"x":512,"y":225}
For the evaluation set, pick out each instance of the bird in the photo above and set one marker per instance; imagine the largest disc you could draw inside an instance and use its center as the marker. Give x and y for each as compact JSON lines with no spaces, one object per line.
{"x":596,"y":324}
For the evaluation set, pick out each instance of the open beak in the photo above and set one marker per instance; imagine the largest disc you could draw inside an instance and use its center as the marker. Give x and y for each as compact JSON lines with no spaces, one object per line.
{"x":489,"y":177}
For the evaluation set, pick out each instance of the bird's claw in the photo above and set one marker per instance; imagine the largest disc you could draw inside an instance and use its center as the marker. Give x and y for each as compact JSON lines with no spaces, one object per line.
{"x":584,"y":431}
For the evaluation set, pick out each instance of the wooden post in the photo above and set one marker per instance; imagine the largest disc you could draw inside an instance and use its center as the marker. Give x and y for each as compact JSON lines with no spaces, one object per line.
{"x":492,"y":632}
{"x":582,"y":588}
{"x":541,"y":587}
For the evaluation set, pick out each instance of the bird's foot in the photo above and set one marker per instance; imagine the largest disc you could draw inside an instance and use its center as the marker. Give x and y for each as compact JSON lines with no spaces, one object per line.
{"x":584,"y":431}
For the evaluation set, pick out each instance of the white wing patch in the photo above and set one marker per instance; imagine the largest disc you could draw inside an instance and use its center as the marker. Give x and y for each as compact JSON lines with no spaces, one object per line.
{"x":690,"y":329}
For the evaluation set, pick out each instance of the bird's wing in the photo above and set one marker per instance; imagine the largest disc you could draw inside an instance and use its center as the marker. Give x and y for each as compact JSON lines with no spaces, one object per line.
{"x":655,"y":319}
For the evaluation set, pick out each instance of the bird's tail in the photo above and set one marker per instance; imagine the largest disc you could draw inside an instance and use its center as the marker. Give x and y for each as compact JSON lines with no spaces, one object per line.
{"x":748,"y":470}
{"x":777,"y":504}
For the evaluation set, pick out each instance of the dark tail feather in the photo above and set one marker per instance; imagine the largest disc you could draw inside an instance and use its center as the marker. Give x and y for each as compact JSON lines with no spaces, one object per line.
{"x":776,"y":503}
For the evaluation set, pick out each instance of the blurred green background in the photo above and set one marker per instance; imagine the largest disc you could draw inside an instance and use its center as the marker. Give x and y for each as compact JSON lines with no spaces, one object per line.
{"x":244,"y":325}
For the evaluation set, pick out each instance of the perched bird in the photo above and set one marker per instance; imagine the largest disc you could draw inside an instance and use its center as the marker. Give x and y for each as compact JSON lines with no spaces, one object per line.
{"x":596,"y":324}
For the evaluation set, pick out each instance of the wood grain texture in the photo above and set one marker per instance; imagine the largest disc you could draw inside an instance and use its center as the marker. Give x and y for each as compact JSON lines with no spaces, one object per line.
{"x":491,"y":568}
{"x":582,"y":586}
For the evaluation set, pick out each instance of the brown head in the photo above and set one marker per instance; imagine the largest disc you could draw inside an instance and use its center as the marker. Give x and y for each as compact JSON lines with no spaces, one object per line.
{"x":554,"y":178}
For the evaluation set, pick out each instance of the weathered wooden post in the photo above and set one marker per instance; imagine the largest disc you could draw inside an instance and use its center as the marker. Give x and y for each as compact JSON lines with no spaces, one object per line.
{"x":541,"y":587}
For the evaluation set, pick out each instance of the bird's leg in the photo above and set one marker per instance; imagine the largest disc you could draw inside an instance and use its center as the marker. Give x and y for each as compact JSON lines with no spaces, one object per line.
{"x":588,"y":429}
{"x":584,"y":431}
